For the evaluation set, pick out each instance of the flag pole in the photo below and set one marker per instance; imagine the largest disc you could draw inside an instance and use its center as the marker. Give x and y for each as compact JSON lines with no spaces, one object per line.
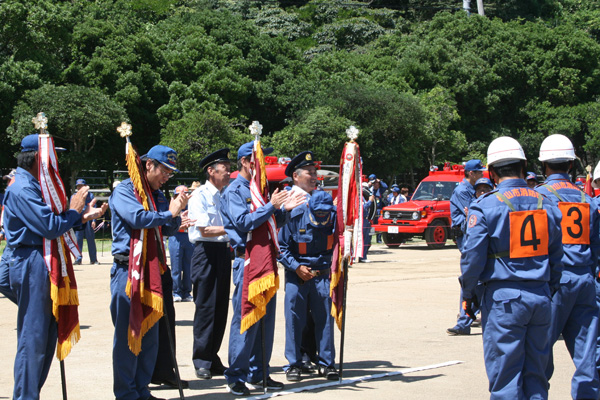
{"x":41,"y":122}
{"x":63,"y":379}
{"x":173,"y":356}
{"x":264,"y":353}
{"x":343,"y":331}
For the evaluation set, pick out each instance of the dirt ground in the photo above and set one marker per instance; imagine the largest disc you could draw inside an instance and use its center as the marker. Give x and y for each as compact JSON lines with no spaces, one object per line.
{"x":399,"y":307}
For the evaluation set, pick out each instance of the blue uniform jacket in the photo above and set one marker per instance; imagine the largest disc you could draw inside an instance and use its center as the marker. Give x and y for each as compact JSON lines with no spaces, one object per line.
{"x":462,"y":197}
{"x":379,"y":194}
{"x":237,"y":218}
{"x":27,"y":219}
{"x":576,"y":255}
{"x":301,"y":243}
{"x":129,"y":214}
{"x":488,"y":233}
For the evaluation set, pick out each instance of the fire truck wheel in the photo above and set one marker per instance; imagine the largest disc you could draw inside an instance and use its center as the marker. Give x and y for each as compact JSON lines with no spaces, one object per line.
{"x":391,"y":240}
{"x":436,"y":235}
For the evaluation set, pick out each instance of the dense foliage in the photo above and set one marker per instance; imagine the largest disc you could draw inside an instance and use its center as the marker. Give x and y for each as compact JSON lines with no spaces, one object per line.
{"x":423,"y":81}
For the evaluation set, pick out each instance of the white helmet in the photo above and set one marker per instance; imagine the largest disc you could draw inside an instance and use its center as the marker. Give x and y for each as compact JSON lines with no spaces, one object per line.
{"x":557,"y":148}
{"x":504,"y":150}
{"x":596,"y":184}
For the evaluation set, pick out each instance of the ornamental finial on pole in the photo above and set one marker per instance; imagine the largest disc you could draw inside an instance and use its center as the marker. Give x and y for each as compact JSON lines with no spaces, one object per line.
{"x":125,"y":130}
{"x":40,"y":122}
{"x":352,"y":133}
{"x":256,"y":129}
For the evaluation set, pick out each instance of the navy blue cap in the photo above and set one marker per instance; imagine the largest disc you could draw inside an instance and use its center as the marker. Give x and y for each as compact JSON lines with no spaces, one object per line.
{"x":395,"y":189}
{"x":30,"y":143}
{"x":245,"y":150}
{"x":531,"y":175}
{"x":80,"y":181}
{"x":372,"y":177}
{"x":474,"y":165}
{"x":321,"y":207}
{"x":221,"y":155}
{"x":164,"y":155}
{"x":301,"y":160}
{"x":483,"y":181}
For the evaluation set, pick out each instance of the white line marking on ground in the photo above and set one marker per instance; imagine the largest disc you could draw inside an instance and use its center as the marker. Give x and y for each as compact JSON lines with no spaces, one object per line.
{"x":354,"y":380}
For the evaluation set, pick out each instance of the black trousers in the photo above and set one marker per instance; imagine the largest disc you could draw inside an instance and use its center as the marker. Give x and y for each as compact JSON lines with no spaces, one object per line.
{"x":164,"y":368}
{"x":211,"y":277}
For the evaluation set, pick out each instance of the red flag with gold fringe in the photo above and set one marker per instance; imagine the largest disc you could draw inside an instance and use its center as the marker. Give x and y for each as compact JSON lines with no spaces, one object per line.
{"x":147,"y":260}
{"x":588,"y":189}
{"x":261,"y":279}
{"x":57,"y":252}
{"x":348,"y":245}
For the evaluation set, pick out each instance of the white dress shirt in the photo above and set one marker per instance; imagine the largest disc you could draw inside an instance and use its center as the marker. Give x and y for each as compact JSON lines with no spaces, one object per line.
{"x":205,"y":207}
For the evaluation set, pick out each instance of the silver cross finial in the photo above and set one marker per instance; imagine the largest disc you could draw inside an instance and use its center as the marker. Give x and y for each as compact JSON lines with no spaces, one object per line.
{"x":352,"y":132}
{"x":125,"y":129}
{"x":256,"y":129}
{"x":40,"y":122}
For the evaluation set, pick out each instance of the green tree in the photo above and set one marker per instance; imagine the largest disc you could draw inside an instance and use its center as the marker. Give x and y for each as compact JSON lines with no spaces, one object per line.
{"x":81,"y":119}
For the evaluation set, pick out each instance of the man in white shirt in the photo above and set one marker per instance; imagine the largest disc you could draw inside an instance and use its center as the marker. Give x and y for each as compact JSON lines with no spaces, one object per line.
{"x":211,"y":265}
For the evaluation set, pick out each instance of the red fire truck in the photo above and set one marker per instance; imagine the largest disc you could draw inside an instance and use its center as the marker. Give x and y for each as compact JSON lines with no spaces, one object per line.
{"x":426,"y":214}
{"x":275,"y":167}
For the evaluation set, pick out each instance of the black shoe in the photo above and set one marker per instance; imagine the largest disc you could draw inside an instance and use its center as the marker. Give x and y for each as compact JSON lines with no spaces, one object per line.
{"x":217,"y":369}
{"x":203,"y":373}
{"x":308,"y":368}
{"x":238,"y":389}
{"x":171,"y":382}
{"x":457,"y":332}
{"x":151,"y":398}
{"x":271,"y":385}
{"x":293,"y":374}
{"x":329,"y":373}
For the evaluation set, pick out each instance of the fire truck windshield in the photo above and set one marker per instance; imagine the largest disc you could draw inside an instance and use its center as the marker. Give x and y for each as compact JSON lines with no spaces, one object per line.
{"x":434,"y":190}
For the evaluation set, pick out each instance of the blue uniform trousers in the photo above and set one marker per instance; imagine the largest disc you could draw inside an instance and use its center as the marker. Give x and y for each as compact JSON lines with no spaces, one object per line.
{"x":5,"y":288}
{"x":245,"y":351}
{"x":516,"y":345}
{"x":37,"y":330}
{"x":181,"y":250}
{"x":597,"y":285}
{"x":131,"y":374}
{"x":463,"y":323}
{"x":313,"y":294}
{"x":575,"y":315}
{"x":88,"y":233}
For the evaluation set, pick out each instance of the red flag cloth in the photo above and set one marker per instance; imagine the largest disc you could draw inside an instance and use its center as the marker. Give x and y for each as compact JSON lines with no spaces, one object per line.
{"x":348,"y":244}
{"x":57,"y":253}
{"x":261,"y":279}
{"x":146,"y":263}
{"x":588,"y":186}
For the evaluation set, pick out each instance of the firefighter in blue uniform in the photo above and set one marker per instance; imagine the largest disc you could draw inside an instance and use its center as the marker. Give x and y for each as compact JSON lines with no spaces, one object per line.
{"x":180,"y":252}
{"x":574,"y":309}
{"x":460,"y":201}
{"x":245,"y":355}
{"x":27,"y":221}
{"x":306,"y":244}
{"x":131,"y":373}
{"x":86,"y":231}
{"x":513,"y":252}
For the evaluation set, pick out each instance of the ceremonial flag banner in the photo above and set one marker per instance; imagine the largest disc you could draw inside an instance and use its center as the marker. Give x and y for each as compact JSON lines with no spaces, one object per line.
{"x":348,"y":245}
{"x":63,"y":287}
{"x":147,"y":262}
{"x":588,"y":189}
{"x":261,"y":279}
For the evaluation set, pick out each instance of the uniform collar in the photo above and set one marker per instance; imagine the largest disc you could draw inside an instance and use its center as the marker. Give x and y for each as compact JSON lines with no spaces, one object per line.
{"x":515,"y":182}
{"x":466,"y":182}
{"x":558,"y":177}
{"x":212,"y":189}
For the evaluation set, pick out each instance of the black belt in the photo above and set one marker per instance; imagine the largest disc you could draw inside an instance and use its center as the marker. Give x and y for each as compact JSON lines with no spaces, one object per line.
{"x":121,"y":258}
{"x":320,"y":272}
{"x":240,"y":252}
{"x":208,"y":243}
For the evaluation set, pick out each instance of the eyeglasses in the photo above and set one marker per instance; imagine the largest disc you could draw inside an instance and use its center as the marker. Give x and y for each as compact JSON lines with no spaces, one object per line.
{"x":166,"y":172}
